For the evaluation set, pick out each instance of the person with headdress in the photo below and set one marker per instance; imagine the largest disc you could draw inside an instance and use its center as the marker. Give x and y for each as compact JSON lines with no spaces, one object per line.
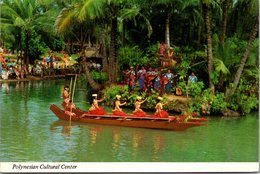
{"x":117,"y":110}
{"x":95,"y":109}
{"x":138,"y":111}
{"x":160,"y":113}
{"x":65,"y":96}
{"x":170,"y":56}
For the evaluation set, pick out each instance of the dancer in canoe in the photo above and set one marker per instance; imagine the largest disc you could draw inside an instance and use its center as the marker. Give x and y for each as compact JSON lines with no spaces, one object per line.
{"x":160,"y":113}
{"x":138,"y":111}
{"x":117,"y":110}
{"x":65,"y":96}
{"x":69,"y":108}
{"x":95,"y":109}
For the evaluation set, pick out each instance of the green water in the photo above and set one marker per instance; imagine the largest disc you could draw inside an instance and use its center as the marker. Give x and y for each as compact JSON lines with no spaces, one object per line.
{"x":31,"y":132}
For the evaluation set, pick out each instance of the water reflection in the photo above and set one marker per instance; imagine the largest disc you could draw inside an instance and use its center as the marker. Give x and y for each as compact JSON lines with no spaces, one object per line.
{"x":157,"y":146}
{"x":26,"y":118}
{"x":125,"y":143}
{"x":5,"y":88}
{"x":66,"y":127}
{"x":115,"y":139}
{"x":94,"y":132}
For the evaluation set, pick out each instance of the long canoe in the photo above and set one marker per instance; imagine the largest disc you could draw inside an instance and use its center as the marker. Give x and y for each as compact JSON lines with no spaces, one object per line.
{"x":127,"y":121}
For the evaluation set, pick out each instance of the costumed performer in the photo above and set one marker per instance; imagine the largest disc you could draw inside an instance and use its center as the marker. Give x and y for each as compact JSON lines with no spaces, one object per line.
{"x":68,"y":108}
{"x":65,"y":96}
{"x":117,"y":110}
{"x":95,"y":109}
{"x":138,"y":111}
{"x":159,"y":109}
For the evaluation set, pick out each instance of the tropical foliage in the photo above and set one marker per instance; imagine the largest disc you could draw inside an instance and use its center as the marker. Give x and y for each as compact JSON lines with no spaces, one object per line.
{"x":218,"y":39}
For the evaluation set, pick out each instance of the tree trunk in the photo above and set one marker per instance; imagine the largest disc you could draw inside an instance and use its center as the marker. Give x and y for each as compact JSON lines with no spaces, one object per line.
{"x":199,"y":35}
{"x":224,"y":21}
{"x":94,"y":85}
{"x":231,"y":91}
{"x":123,"y":33}
{"x":209,"y":48}
{"x":26,"y":53}
{"x":113,"y":71}
{"x":89,"y":42}
{"x":167,"y":30}
{"x":199,"y":29}
{"x":103,"y":53}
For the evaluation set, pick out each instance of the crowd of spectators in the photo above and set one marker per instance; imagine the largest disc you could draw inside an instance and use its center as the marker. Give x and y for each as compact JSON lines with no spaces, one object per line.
{"x":11,"y":69}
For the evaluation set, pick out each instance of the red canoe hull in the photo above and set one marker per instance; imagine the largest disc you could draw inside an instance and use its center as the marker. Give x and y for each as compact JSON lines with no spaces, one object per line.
{"x":127,"y":121}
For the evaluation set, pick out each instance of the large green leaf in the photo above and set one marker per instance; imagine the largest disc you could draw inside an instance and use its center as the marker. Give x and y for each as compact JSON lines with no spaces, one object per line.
{"x":220,"y":66}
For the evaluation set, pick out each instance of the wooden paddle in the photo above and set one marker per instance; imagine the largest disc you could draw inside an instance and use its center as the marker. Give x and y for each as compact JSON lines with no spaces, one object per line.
{"x":70,"y":87}
{"x":74,"y":88}
{"x":72,"y":97}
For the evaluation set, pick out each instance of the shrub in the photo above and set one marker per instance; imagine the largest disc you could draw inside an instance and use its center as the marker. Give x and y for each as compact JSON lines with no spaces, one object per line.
{"x":245,"y":98}
{"x":130,"y":97}
{"x":98,"y":76}
{"x":193,"y":89}
{"x":219,"y":103}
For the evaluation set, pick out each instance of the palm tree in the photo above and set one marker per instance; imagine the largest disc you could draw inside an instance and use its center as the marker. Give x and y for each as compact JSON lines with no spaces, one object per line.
{"x":26,"y":16}
{"x":168,"y":7}
{"x":251,"y":8}
{"x":225,"y":4}
{"x":193,"y":9}
{"x":209,"y":45}
{"x":104,"y":13}
{"x":91,"y":11}
{"x":231,"y":91}
{"x":133,"y":13}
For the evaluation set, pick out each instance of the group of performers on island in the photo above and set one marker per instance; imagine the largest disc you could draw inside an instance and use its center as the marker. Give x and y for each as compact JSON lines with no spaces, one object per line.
{"x":151,"y":79}
{"x":95,"y":109}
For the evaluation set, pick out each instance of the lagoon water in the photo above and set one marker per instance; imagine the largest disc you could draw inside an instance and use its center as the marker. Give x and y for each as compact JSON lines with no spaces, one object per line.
{"x":31,"y":132}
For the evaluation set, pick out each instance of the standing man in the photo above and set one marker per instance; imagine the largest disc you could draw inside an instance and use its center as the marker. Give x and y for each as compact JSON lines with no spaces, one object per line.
{"x":168,"y":81}
{"x":192,"y":78}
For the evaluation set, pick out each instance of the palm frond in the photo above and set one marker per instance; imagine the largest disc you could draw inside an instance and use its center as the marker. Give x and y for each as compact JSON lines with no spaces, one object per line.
{"x":19,"y":22}
{"x":251,"y":71}
{"x":132,"y":13}
{"x":220,"y":66}
{"x":8,"y":12}
{"x":65,"y":18}
{"x":91,"y":9}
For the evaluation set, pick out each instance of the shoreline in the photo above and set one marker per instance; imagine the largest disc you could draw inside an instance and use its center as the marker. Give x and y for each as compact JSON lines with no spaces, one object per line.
{"x":37,"y":78}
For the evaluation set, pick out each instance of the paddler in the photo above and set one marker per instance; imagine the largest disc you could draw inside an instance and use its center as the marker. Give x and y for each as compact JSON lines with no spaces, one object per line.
{"x":138,"y":111}
{"x":159,"y":109}
{"x":65,"y":96}
{"x":117,"y":110}
{"x":95,"y":109}
{"x":69,"y":108}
